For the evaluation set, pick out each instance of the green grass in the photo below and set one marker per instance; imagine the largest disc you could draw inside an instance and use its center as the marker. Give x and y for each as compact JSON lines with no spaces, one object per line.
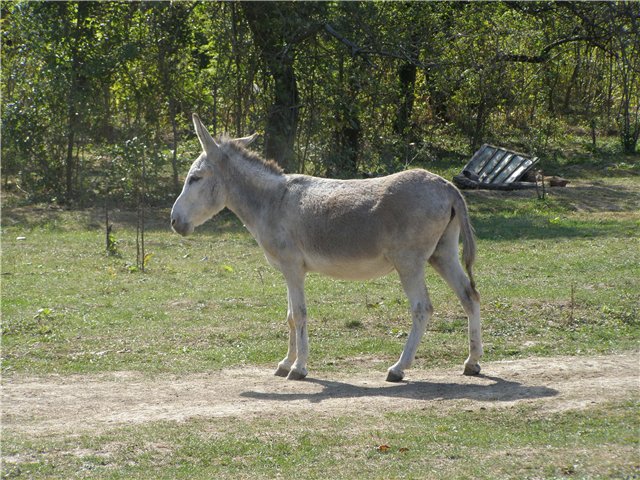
{"x":557,"y":277}
{"x":553,"y":281}
{"x":514,"y":443}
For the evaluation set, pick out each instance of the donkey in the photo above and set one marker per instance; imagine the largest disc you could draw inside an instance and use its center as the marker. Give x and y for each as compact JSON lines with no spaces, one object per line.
{"x":347,"y":229}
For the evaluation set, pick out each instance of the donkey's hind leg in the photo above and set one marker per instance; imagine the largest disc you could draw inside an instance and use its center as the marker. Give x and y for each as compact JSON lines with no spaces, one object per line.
{"x":446,"y":262}
{"x":412,"y":278}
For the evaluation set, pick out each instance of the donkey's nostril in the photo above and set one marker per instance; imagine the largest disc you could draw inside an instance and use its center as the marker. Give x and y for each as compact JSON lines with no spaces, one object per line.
{"x":173,"y":222}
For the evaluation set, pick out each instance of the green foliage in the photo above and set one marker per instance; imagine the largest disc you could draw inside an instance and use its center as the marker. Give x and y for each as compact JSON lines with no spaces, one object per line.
{"x":338,"y":88}
{"x":112,"y":245}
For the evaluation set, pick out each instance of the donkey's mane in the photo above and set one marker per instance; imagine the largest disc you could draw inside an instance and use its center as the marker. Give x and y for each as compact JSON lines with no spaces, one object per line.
{"x":232,"y":147}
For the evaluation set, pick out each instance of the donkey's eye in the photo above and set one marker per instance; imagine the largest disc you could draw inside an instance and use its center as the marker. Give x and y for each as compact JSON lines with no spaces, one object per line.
{"x":193,"y":179}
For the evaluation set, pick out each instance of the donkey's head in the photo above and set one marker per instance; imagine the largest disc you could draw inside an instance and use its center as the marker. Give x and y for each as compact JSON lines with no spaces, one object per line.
{"x":203,"y":194}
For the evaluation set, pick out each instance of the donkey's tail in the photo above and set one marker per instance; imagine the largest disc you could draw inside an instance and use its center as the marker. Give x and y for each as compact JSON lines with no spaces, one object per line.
{"x":468,"y":239}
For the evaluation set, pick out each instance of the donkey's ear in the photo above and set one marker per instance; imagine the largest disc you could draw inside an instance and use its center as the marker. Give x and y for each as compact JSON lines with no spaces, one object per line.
{"x":246,"y":141}
{"x":206,"y":140}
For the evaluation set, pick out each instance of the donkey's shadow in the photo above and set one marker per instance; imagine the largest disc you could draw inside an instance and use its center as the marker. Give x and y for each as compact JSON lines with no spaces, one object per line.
{"x":500,"y":390}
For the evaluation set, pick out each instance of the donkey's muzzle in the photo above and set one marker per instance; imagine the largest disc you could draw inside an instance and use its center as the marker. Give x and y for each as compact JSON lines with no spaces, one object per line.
{"x":180,"y":227}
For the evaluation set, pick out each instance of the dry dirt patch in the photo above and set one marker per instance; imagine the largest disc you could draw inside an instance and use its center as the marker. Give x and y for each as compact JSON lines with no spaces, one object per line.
{"x":69,"y":404}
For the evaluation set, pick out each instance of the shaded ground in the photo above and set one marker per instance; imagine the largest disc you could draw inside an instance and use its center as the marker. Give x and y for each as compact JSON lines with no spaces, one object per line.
{"x":70,"y":404}
{"x":611,"y":195}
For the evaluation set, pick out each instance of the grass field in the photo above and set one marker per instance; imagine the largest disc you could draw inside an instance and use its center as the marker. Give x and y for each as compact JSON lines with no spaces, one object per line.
{"x":559,"y":276}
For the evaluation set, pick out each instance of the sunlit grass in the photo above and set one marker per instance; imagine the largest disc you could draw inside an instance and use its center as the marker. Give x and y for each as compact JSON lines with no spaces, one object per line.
{"x":503,"y":443}
{"x":553,"y":280}
{"x":557,"y":277}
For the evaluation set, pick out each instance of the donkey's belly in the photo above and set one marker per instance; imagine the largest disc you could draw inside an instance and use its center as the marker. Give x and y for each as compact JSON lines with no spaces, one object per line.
{"x":349,"y":269}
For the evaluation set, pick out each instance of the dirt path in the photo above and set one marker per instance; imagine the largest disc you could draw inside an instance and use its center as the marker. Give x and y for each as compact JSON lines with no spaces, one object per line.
{"x":66,"y":404}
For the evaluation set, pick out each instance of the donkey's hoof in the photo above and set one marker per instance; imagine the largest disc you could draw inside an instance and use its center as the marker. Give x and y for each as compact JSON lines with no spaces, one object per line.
{"x":471,"y":369}
{"x":294,"y":375}
{"x":281,"y":372}
{"x":394,"y":377}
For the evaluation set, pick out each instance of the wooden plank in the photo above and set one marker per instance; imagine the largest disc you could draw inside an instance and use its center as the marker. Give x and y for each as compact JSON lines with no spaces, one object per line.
{"x":504,"y":163}
{"x":491,"y":164}
{"x":480,"y":158}
{"x":495,"y":153}
{"x":518,"y":172}
{"x":495,"y":165}
{"x":463,"y":182}
{"x":515,"y":162}
{"x":507,"y":186}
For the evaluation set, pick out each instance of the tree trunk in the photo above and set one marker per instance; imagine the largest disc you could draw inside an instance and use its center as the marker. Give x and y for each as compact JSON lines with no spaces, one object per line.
{"x":282,"y":118}
{"x":174,"y":146}
{"x":407,"y":80}
{"x":238,"y":61}
{"x":69,"y":162}
{"x":478,"y":132}
{"x":342,"y":161}
{"x":630,"y":121}
{"x":73,"y":97}
{"x":407,"y":83}
{"x":574,"y":78}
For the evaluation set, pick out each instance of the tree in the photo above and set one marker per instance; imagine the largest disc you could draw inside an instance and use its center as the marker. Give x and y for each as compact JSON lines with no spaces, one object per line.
{"x":170,"y":28}
{"x":279,"y":28}
{"x":623,"y":22}
{"x":339,"y":88}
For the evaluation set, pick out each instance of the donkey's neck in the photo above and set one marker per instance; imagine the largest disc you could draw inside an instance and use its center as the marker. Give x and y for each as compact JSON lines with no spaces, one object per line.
{"x":253,"y":191}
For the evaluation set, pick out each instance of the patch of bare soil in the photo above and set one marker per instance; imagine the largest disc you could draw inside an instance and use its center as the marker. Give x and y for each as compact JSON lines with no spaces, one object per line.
{"x":70,"y":404}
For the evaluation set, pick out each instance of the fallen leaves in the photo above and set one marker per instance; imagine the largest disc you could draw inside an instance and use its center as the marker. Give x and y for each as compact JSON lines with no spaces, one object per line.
{"x":386,"y":449}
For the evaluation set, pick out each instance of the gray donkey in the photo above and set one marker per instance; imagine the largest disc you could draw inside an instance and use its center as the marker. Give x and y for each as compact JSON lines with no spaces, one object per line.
{"x":348,"y":229}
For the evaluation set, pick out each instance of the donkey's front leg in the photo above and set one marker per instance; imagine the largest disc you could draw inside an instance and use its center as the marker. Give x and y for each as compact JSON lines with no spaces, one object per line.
{"x":284,"y":367}
{"x":295,"y":364}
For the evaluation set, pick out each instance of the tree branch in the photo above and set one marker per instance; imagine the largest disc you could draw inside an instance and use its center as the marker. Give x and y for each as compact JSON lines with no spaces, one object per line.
{"x":544,"y":53}
{"x":355,"y":49}
{"x":364,"y":52}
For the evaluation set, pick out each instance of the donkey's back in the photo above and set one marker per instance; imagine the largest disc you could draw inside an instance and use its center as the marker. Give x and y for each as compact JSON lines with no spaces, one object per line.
{"x":357,"y":229}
